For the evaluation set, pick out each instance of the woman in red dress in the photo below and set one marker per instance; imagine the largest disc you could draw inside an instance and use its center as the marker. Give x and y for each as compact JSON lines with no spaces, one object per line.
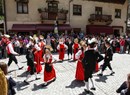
{"x":79,"y":55}
{"x":76,"y":47}
{"x":37,"y":59}
{"x":49,"y":71}
{"x":61,"y":48}
{"x":41,"y":44}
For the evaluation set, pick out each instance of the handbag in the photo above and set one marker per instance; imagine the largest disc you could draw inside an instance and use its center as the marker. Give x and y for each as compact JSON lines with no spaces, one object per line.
{"x":48,"y":68}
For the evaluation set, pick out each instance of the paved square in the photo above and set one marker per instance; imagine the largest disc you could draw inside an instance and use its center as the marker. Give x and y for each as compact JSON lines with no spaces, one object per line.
{"x":65,"y":83}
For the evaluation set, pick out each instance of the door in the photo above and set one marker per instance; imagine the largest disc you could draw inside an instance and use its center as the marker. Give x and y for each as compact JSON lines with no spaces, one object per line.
{"x":116,"y":32}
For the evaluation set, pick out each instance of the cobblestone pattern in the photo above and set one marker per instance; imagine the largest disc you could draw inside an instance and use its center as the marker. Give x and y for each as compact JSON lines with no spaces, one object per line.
{"x":65,"y":83}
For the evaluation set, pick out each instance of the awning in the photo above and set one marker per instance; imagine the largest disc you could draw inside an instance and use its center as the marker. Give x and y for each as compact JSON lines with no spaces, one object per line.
{"x":99,"y":29}
{"x":40,"y":27}
{"x":63,"y":27}
{"x":50,"y":27}
{"x":23,"y":27}
{"x":45,"y":27}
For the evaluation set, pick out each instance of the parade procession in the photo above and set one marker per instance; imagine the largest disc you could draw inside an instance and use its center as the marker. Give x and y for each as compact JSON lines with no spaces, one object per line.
{"x":64,"y":47}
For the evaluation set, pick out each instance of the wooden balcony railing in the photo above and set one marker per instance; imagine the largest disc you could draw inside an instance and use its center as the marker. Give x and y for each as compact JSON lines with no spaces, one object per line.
{"x":52,"y":16}
{"x":103,"y":19}
{"x":46,"y":14}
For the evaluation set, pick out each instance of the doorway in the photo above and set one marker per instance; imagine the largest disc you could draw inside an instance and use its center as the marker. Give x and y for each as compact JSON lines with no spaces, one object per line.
{"x":116,"y":32}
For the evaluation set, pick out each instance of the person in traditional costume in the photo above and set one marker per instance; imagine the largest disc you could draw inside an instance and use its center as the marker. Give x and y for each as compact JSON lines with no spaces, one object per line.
{"x":41,"y":45}
{"x":75,"y":47}
{"x":30,"y":63}
{"x":91,"y":57}
{"x":107,"y":59}
{"x":11,"y":53}
{"x":61,"y":47}
{"x":31,"y":43}
{"x":37,"y":57}
{"x":69,"y":43}
{"x":49,"y":71}
{"x":80,"y":55}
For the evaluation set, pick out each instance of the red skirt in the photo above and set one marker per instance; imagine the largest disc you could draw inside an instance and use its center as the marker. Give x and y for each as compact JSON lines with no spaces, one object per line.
{"x":79,"y":71}
{"x":97,"y":68}
{"x":61,"y":55}
{"x":41,"y":56}
{"x":37,"y":60}
{"x":38,"y":68}
{"x":49,"y":75}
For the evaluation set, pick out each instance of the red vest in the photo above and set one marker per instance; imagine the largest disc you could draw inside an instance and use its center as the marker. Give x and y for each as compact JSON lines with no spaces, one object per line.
{"x":41,"y":45}
{"x":76,"y":47}
{"x":62,"y":47}
{"x":7,"y":47}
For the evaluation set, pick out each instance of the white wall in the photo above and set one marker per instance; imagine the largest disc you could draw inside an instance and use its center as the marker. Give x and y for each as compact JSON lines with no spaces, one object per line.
{"x":88,"y":7}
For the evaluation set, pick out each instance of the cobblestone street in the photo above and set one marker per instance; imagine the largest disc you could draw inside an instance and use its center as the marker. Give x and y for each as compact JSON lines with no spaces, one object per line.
{"x":65,"y":83}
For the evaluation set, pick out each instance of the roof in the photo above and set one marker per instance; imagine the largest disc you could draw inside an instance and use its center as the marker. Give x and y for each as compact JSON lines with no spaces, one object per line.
{"x":111,"y":1}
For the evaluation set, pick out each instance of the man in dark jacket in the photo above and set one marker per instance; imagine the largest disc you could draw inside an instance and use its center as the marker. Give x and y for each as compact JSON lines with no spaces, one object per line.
{"x":70,"y":50}
{"x":30,"y":63}
{"x":89,"y":61}
{"x":107,"y":59}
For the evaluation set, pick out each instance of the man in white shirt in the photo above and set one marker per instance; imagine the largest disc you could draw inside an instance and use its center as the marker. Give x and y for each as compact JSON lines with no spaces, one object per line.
{"x":11,"y":53}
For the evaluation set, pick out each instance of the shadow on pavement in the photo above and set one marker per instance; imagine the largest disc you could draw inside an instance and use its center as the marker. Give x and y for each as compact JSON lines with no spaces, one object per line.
{"x":21,"y":86}
{"x":102,"y":78}
{"x":76,"y":83}
{"x":71,"y":61}
{"x":12,"y":71}
{"x":84,"y":93}
{"x":24,"y":74}
{"x":37,"y":87}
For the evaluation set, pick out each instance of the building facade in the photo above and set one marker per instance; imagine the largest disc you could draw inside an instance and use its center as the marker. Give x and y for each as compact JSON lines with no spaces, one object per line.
{"x":81,"y":15}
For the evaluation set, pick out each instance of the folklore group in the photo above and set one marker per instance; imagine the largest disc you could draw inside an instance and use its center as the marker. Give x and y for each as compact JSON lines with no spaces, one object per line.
{"x":84,"y":53}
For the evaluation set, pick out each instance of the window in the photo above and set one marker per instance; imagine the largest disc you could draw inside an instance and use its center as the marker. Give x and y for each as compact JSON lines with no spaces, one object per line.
{"x":53,"y":7}
{"x":117,"y":13}
{"x":52,"y":10}
{"x":98,"y":10}
{"x":77,"y":10}
{"x":22,"y":7}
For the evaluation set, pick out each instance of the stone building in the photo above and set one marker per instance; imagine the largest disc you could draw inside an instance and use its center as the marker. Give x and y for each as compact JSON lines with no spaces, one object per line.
{"x":88,"y":16}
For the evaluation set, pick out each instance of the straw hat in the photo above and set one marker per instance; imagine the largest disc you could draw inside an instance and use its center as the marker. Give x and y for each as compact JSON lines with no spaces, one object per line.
{"x":7,"y":36}
{"x":94,"y":40}
{"x":49,"y":47}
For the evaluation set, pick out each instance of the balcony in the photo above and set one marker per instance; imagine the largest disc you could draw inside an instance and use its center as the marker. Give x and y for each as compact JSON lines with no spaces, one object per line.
{"x":51,"y":15}
{"x":100,"y":19}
